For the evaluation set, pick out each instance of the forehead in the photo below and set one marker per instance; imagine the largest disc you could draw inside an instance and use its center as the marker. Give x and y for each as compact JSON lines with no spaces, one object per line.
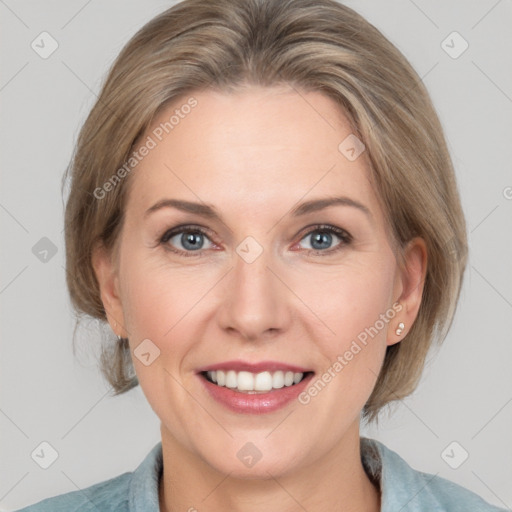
{"x":257,"y":148}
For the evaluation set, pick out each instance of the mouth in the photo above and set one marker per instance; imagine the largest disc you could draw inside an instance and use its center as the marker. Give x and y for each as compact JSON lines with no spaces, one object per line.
{"x":254,"y":383}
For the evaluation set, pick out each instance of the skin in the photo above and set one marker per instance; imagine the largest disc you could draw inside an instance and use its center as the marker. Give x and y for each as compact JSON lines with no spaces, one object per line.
{"x":254,"y":155}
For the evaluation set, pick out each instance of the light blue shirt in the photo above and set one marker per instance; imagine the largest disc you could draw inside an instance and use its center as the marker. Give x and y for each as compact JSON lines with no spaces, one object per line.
{"x":402,"y":488}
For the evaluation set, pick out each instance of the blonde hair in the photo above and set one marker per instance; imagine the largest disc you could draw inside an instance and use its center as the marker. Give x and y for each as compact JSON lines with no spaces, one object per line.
{"x":317,"y":45}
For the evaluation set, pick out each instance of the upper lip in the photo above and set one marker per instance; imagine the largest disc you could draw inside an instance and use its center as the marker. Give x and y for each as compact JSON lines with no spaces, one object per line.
{"x":240,"y":366}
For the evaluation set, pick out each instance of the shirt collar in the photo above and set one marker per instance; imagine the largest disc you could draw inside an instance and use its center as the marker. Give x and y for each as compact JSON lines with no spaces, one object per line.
{"x":144,"y":486}
{"x":401,"y":487}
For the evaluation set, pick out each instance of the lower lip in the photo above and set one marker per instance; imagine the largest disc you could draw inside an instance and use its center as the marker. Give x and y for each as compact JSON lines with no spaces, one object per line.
{"x":257,"y":403}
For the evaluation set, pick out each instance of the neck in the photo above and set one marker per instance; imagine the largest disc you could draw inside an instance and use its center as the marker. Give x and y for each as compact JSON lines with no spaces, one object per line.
{"x":334,"y":482}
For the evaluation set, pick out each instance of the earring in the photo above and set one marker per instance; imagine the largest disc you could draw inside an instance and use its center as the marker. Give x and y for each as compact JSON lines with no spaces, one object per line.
{"x":400,"y":328}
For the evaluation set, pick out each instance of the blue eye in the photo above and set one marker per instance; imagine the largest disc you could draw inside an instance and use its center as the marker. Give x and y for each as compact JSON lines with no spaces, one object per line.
{"x":191,"y":239}
{"x":322,"y":237}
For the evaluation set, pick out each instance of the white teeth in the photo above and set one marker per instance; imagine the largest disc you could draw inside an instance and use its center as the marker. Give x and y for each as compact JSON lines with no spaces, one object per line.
{"x":297,"y":377}
{"x":278,"y":380}
{"x":263,"y":381}
{"x":247,"y":381}
{"x":288,"y":379}
{"x":231,"y":380}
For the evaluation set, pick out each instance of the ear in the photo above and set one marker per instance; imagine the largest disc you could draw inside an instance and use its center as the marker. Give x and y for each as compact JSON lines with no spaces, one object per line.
{"x":108,"y":280}
{"x":409,"y":282}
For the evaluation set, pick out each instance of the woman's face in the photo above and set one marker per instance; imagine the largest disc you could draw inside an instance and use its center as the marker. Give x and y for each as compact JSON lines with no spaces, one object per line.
{"x":266,"y":282}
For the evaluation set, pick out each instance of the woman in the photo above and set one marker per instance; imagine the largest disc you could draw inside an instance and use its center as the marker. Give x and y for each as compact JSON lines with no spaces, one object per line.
{"x":263,"y":208}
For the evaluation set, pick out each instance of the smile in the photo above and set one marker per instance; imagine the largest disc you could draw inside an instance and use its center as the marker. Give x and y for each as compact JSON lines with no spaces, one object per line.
{"x":253,"y":401}
{"x":252,"y":383}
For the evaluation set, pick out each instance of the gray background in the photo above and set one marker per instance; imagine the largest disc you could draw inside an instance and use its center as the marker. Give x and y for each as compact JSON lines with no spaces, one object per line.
{"x":48,"y":395}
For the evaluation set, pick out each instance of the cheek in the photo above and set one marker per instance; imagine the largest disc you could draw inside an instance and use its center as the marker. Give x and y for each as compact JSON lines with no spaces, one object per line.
{"x":157,"y":295}
{"x":349,"y":298}
{"x":356,"y":308}
{"x":353,"y":304}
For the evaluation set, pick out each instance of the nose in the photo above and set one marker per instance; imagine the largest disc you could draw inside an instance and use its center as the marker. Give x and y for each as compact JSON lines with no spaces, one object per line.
{"x":255,"y":304}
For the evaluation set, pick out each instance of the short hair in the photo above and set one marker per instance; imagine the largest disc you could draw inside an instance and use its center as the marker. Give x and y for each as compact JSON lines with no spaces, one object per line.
{"x":311,"y":45}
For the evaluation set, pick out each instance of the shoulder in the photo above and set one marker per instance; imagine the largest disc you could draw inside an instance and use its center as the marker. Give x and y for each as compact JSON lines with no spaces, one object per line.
{"x":415,"y":491}
{"x":135,"y":491}
{"x":108,"y":496}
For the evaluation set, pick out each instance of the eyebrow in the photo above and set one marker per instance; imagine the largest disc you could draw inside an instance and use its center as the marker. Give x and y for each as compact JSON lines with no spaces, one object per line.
{"x":210,"y":212}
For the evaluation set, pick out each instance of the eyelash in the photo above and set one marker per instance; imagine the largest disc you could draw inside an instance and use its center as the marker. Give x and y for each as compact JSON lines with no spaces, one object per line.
{"x":343,"y":235}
